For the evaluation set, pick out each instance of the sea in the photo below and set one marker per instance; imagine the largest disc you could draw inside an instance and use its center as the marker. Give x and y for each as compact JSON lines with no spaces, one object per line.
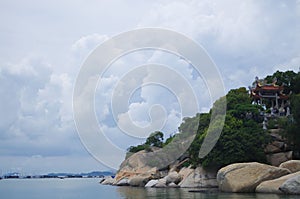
{"x":89,"y":188}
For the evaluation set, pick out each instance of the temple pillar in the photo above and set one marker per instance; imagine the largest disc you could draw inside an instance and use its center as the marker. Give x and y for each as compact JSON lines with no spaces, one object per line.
{"x":276,"y":96}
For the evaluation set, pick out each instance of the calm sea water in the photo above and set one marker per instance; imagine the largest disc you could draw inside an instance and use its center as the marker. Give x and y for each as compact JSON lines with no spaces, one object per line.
{"x":91,"y":189}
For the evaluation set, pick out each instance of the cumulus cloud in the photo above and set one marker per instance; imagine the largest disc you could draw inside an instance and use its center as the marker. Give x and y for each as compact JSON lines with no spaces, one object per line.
{"x":37,"y":103}
{"x":83,"y":46}
{"x":245,"y":39}
{"x":145,"y":97}
{"x":238,"y":35}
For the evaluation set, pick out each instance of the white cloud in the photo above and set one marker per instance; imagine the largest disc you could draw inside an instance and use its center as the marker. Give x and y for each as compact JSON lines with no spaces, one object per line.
{"x":38,"y":106}
{"x":292,"y":64}
{"x":236,"y":34}
{"x":245,"y":39}
{"x":88,"y":43}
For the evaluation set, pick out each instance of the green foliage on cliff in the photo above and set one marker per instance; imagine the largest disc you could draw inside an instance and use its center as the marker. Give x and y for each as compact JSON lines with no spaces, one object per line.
{"x":154,"y":140}
{"x":292,"y":132}
{"x":242,"y":137}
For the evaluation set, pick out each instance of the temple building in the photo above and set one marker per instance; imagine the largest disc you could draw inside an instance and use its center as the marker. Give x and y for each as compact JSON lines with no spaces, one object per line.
{"x":270,"y":96}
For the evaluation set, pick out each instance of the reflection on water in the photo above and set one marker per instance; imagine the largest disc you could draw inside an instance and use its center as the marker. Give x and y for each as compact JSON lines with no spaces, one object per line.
{"x":91,"y":189}
{"x":133,"y":193}
{"x":173,"y":193}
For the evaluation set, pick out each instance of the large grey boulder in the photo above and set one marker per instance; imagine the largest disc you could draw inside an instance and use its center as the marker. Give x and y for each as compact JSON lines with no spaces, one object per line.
{"x":272,"y":186}
{"x":292,"y":165}
{"x":108,"y":181}
{"x":161,"y":183}
{"x":274,"y":147}
{"x":173,"y":177}
{"x":185,"y":171}
{"x":122,"y":182}
{"x":173,"y":185}
{"x":138,"y":181}
{"x":245,"y":177}
{"x":276,"y":159}
{"x":151,"y":183}
{"x":291,"y":186}
{"x":135,"y":170}
{"x":199,"y":178}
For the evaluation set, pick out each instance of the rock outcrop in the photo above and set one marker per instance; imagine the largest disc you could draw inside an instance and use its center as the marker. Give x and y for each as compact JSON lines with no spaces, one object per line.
{"x":151,"y":183}
{"x":199,"y":178}
{"x":291,"y":186}
{"x":185,"y":171}
{"x":276,"y":159}
{"x":161,"y":183}
{"x":173,"y":177}
{"x":108,"y":181}
{"x":138,"y":181}
{"x":136,"y":171}
{"x":272,"y":186}
{"x":245,"y":177}
{"x":292,"y":165}
{"x":122,"y":182}
{"x":278,"y":150}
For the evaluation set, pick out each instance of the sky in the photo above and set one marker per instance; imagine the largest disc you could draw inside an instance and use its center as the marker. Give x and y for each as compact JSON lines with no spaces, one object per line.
{"x":44,"y":45}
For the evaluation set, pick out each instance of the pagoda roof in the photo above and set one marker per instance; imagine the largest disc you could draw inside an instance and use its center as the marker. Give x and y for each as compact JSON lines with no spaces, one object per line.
{"x":269,"y":87}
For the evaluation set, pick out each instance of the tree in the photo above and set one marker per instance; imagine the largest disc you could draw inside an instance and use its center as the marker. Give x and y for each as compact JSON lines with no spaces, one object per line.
{"x":283,"y":79}
{"x":155,"y":139}
{"x":295,"y":84}
{"x":237,"y":97}
{"x":292,"y":130}
{"x":241,"y":141}
{"x":242,"y":137}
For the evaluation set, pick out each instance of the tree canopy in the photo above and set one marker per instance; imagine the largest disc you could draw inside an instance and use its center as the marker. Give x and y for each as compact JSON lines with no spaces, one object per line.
{"x":242,"y":137}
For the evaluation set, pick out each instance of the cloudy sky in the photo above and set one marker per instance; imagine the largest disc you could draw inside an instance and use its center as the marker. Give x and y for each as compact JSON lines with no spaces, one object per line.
{"x":45,"y":43}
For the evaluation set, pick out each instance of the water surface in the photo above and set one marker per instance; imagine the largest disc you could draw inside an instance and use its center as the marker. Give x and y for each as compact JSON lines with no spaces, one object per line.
{"x":91,"y":189}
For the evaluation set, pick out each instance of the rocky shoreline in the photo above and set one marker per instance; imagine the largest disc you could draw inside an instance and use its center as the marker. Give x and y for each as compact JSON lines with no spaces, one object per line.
{"x":236,"y":178}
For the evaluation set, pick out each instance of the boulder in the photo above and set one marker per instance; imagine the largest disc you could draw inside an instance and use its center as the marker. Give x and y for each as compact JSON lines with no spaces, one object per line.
{"x":272,"y":186}
{"x":151,"y":183}
{"x":279,"y":144}
{"x":291,"y":186}
{"x":101,"y":180}
{"x":245,"y":177}
{"x":185,"y":171}
{"x":173,"y":177}
{"x":135,"y":165}
{"x":277,"y":158}
{"x":138,"y":181}
{"x":275,"y":134}
{"x":122,"y":182}
{"x":199,"y":178}
{"x":108,"y":181}
{"x":161,"y":183}
{"x":292,"y":165}
{"x":173,"y":185}
{"x":270,"y":148}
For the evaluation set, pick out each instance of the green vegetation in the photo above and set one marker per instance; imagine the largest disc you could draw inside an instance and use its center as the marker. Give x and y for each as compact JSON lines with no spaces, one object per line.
{"x":242,"y":138}
{"x":293,"y":125}
{"x":285,"y":79}
{"x":154,"y":140}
